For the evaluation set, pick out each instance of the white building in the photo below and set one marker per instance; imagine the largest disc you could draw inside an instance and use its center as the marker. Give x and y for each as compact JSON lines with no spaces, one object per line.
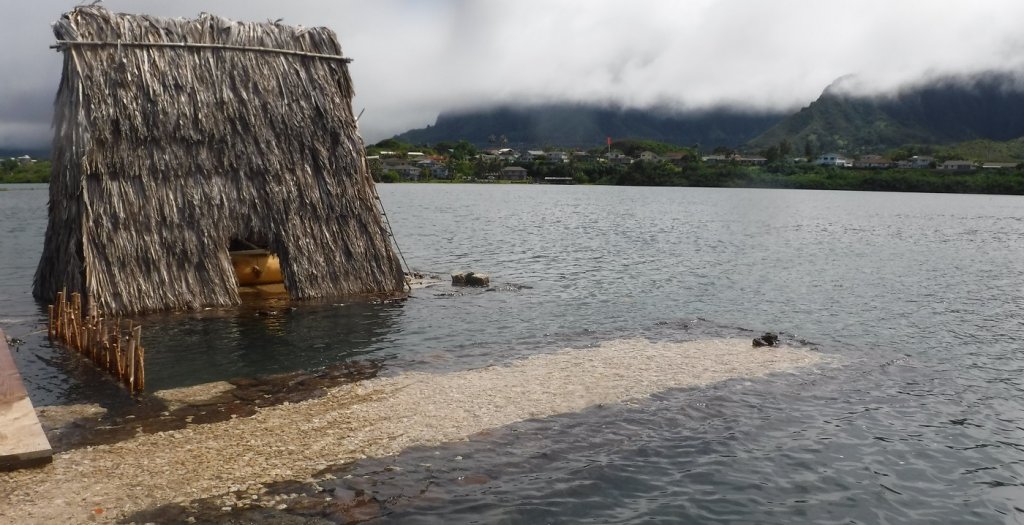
{"x":834,"y":159}
{"x":922,"y":161}
{"x":558,"y":156}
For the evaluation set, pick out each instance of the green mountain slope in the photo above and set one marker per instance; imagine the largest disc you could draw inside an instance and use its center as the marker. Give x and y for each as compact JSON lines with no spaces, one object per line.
{"x":588,"y":126}
{"x":954,"y":109}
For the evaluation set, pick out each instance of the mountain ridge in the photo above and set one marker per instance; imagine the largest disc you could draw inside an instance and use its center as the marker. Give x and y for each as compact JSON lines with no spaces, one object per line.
{"x":944,"y":110}
{"x":583,"y":125}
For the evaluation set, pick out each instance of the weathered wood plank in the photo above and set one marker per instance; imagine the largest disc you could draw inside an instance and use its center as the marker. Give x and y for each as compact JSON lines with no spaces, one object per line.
{"x":22,"y":441}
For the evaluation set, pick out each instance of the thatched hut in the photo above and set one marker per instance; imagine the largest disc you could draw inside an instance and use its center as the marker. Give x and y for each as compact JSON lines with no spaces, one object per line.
{"x":175,"y":137}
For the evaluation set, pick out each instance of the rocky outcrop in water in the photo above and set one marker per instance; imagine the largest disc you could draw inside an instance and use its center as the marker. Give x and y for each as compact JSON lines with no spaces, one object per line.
{"x":768,"y":339}
{"x":470,"y":279}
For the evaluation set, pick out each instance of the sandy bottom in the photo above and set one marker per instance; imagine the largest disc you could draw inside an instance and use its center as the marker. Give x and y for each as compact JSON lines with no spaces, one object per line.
{"x":59,"y":416}
{"x":377,"y":417}
{"x":181,"y":396}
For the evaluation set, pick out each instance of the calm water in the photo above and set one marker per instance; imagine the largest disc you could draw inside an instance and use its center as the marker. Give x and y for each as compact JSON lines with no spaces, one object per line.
{"x":920,"y":297}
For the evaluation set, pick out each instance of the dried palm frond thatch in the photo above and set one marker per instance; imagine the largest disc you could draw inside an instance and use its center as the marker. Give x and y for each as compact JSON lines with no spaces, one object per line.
{"x":174,"y":136}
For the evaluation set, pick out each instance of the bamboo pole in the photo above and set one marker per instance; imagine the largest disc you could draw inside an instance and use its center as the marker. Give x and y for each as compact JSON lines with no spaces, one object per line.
{"x":117,"y":346}
{"x":76,"y":342}
{"x":105,"y":350}
{"x":77,"y":311}
{"x":128,"y":378}
{"x":102,"y":340}
{"x":105,"y":358}
{"x":60,"y":315}
{"x":140,"y":369}
{"x":62,"y":44}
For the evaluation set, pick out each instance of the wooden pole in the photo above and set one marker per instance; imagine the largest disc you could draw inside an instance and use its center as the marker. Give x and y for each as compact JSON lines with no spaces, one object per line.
{"x":90,"y":334}
{"x":80,"y":326}
{"x":76,"y":343}
{"x":60,"y":314}
{"x":117,"y":351}
{"x":141,"y":371}
{"x":128,"y":378}
{"x":138,"y":349}
{"x":102,"y":343}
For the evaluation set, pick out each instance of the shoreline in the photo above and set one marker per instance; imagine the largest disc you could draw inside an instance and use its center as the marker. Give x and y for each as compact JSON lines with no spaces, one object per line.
{"x":375,"y":417}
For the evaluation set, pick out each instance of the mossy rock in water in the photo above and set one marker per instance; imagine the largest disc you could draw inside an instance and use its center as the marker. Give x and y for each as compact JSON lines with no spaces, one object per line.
{"x":470,"y":279}
{"x":768,"y":339}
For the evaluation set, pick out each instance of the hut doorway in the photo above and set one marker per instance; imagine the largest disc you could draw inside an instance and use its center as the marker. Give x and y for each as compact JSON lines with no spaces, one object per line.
{"x":257,"y":267}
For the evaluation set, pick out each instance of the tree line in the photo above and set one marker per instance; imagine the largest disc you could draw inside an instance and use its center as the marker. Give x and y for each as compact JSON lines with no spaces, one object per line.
{"x":14,"y":171}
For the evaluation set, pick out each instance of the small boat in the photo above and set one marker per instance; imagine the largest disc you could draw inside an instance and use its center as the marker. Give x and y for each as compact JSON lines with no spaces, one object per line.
{"x":256,"y":267}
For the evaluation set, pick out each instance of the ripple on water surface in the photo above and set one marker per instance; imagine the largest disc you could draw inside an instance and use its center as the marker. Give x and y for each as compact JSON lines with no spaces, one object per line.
{"x":919,"y":294}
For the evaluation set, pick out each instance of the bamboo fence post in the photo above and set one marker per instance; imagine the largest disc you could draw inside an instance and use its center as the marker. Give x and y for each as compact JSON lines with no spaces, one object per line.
{"x":117,"y":348}
{"x":79,"y":322}
{"x":80,"y":326}
{"x":85,"y":333}
{"x":69,"y":319}
{"x":101,"y":343}
{"x":128,"y":378}
{"x":90,"y":329}
{"x":141,"y":368}
{"x":100,"y":352}
{"x":115,"y":341}
{"x":140,"y":371}
{"x":60,"y":314}
{"x":84,"y":323}
{"x":69,"y":322}
{"x":107,"y":345}
{"x":117,"y":357}
{"x":76,"y":340}
{"x":111,"y":346}
{"x":93,"y":337}
{"x":49,"y":327}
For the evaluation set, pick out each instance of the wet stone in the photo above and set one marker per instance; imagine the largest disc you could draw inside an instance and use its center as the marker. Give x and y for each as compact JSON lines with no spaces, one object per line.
{"x":768,"y":339}
{"x":162,"y":424}
{"x":474,"y":479}
{"x":151,"y":414}
{"x":389,"y":492}
{"x":342,"y":494}
{"x":362,"y":510}
{"x":207,"y":416}
{"x":249,"y":394}
{"x":262,"y":516}
{"x":172,"y":513}
{"x":298,"y":397}
{"x":307,"y":506}
{"x":478,"y":279}
{"x":470,"y":279}
{"x":216,"y":400}
{"x":244,"y":382}
{"x":290,"y":486}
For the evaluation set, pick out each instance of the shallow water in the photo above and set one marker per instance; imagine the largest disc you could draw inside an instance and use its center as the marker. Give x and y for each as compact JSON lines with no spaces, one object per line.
{"x":919,"y":294}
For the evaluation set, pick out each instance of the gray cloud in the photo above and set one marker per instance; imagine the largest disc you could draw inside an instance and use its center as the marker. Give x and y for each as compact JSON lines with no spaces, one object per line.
{"x":415,"y":58}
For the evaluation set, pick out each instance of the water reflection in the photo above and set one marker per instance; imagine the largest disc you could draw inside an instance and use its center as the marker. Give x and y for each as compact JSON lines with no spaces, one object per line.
{"x":257,"y":338}
{"x":260,"y":338}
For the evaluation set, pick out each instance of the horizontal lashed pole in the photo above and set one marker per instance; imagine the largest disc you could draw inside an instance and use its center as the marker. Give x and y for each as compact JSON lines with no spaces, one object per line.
{"x":61,"y":44}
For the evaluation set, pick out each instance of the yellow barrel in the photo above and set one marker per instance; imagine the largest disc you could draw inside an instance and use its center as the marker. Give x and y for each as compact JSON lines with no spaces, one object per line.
{"x":255,"y":267}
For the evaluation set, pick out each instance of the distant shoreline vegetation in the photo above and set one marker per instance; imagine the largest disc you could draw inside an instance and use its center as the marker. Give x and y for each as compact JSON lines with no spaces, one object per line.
{"x":802,"y":177}
{"x":24,"y":171}
{"x":675,"y":166}
{"x":646,"y":163}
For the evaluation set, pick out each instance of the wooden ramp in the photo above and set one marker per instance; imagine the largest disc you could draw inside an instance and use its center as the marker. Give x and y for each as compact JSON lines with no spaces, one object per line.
{"x":22,"y":441}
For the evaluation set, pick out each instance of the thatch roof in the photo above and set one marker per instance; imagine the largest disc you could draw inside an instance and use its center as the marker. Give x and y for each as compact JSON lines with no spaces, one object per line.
{"x":162,"y":153}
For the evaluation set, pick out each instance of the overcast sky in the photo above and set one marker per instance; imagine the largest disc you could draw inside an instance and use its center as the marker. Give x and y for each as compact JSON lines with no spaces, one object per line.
{"x":414,"y":59}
